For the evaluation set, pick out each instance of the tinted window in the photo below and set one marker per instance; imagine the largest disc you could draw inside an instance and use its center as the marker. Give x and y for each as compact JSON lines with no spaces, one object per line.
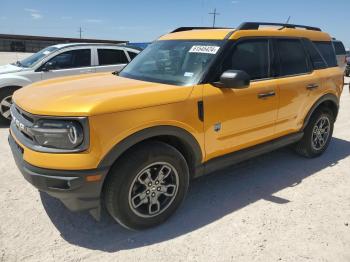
{"x":111,"y":57}
{"x":251,"y":56}
{"x":327,"y":51}
{"x":339,"y":48}
{"x":132,"y":55}
{"x":315,"y":56}
{"x":72,"y":59}
{"x":33,"y":59}
{"x":293,"y":60}
{"x":177,"y":62}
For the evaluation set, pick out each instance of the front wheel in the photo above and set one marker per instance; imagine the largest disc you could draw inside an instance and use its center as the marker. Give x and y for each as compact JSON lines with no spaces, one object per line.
{"x":147,"y":185}
{"x":5,"y":104}
{"x":317,"y":134}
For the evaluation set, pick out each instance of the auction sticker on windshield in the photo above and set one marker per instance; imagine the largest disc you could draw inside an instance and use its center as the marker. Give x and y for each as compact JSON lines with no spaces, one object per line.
{"x":204,"y":49}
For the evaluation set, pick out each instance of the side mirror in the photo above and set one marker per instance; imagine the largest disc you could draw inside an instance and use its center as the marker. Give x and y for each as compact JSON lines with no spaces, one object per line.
{"x":234,"y":79}
{"x":48,"y":66}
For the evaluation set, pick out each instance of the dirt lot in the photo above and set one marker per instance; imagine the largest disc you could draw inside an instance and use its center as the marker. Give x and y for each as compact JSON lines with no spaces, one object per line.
{"x":277,"y":207}
{"x":10,"y":57}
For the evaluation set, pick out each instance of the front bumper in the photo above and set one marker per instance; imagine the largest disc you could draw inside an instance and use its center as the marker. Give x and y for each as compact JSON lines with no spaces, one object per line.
{"x":71,"y":187}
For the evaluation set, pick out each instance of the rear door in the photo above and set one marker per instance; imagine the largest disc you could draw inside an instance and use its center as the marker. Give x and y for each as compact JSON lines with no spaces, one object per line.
{"x":111,"y":59}
{"x":296,"y":80}
{"x":70,"y":62}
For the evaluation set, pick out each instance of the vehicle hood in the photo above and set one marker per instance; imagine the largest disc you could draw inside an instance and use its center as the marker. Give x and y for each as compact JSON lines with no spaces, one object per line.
{"x":95,"y":94}
{"x":5,"y":69}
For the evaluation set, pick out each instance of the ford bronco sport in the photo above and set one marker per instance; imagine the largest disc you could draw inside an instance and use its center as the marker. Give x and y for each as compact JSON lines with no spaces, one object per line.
{"x":194,"y":101}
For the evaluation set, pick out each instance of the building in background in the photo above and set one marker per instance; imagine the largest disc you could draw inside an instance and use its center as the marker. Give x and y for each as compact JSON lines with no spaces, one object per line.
{"x":32,"y":44}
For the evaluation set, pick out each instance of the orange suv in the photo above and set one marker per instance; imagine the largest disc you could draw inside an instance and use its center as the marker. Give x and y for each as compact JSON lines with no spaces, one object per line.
{"x":196,"y":100}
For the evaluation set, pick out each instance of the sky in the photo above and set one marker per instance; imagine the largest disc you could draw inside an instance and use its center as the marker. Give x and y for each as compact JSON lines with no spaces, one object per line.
{"x":143,"y":21}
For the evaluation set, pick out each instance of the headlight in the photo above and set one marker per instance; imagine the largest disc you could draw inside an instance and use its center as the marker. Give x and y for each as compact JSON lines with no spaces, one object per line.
{"x":58,"y":134}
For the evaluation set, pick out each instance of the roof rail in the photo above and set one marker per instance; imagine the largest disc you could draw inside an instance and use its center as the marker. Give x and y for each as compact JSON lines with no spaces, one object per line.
{"x":181,"y":29}
{"x":255,"y":26}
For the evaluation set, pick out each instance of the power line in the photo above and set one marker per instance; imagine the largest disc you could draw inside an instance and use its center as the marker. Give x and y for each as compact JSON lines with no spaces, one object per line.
{"x":214,"y":16}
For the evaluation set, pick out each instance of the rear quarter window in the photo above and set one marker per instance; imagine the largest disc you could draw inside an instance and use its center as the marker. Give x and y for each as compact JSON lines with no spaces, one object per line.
{"x":327,"y":51}
{"x":316,"y":58}
{"x":132,"y":55}
{"x":339,"y":48}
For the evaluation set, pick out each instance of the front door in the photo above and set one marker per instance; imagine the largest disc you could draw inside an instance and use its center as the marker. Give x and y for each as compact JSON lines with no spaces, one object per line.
{"x":72,"y":62}
{"x":238,"y":118}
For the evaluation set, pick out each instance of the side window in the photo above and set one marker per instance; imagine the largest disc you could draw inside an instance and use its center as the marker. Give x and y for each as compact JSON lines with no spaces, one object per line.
{"x":111,"y":57}
{"x":292,"y":57}
{"x":327,"y":51}
{"x":339,"y":48}
{"x":251,"y":56}
{"x":72,"y":59}
{"x":132,"y":55}
{"x":315,"y":56}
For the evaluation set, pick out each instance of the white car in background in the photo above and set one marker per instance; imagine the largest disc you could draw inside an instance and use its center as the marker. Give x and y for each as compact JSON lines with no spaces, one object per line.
{"x":57,"y":61}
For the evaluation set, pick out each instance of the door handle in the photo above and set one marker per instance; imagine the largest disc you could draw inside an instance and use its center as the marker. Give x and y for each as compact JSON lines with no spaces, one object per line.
{"x":311,"y":86}
{"x":266,"y":95}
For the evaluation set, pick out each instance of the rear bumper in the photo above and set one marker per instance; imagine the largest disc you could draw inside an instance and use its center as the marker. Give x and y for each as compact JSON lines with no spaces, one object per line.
{"x":71,"y":187}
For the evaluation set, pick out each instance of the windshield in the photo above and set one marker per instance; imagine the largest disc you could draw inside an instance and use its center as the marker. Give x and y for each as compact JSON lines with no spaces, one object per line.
{"x":30,"y":61}
{"x":173,"y":62}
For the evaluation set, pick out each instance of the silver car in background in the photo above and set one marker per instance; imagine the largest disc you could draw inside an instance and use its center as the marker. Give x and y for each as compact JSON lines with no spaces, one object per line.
{"x":57,"y":61}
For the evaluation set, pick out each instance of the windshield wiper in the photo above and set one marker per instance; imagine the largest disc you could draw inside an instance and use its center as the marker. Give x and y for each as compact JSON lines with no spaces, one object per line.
{"x":18,"y":63}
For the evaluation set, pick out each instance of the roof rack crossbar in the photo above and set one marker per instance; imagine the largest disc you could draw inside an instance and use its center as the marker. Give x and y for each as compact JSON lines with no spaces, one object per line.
{"x":256,"y":25}
{"x":181,"y":29}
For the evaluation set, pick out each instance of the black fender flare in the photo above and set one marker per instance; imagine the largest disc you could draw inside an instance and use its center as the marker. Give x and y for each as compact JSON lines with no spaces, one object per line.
{"x":328,"y":97}
{"x":184,"y":136}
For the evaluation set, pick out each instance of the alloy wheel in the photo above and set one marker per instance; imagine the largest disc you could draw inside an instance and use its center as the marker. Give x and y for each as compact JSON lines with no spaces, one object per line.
{"x":5,"y":106}
{"x":153,"y":189}
{"x":320,"y":133}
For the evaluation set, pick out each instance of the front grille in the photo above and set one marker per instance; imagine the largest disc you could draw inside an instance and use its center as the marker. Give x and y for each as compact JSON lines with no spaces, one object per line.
{"x":25,"y":115}
{"x":23,"y":121}
{"x":21,"y":124}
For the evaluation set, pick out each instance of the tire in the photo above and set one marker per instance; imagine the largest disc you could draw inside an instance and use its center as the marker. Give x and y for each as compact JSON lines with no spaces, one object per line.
{"x":128,"y":185}
{"x":310,"y":146}
{"x":5,"y":103}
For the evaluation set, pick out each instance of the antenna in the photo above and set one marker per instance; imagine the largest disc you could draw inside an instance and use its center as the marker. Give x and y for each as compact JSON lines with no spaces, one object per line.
{"x":214,"y":16}
{"x":286,"y":23}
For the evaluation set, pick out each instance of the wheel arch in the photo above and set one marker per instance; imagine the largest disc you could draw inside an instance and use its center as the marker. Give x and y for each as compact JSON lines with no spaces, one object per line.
{"x":177,"y":137}
{"x":10,"y":86}
{"x":329,"y":100}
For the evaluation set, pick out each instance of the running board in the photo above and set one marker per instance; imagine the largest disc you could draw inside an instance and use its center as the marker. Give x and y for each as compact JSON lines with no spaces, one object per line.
{"x":244,"y":154}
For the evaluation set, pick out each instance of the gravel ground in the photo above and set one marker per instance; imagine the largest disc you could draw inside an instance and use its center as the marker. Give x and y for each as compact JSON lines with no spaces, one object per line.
{"x":276,"y":207}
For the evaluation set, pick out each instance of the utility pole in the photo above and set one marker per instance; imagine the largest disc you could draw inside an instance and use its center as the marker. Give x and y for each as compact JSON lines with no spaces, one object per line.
{"x":214,"y":16}
{"x":80,"y":32}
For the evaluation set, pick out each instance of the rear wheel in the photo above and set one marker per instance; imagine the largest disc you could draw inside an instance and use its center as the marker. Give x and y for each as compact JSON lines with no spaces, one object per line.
{"x":147,"y":185}
{"x":317,"y":134}
{"x":5,"y":104}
